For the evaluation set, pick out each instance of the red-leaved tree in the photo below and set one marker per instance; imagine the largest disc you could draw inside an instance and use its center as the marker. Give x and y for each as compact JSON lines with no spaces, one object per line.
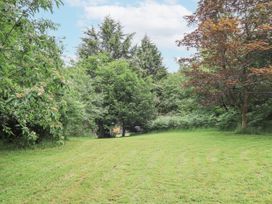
{"x":233,"y":62}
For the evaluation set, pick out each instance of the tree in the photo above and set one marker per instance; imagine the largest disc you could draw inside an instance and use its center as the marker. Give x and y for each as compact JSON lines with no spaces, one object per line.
{"x":126,"y":97}
{"x":82,"y":103}
{"x":148,"y":60}
{"x":173,"y":98}
{"x":234,"y":49}
{"x":109,"y":38}
{"x":31,"y":80}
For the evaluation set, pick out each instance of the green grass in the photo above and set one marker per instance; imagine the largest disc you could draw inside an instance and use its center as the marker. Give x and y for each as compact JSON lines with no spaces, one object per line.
{"x":172,"y":167}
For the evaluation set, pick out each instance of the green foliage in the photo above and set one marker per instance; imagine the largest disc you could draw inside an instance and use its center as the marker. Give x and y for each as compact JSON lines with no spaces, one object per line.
{"x":178,"y":107}
{"x":82,"y":103}
{"x":92,"y":63}
{"x":172,"y":97}
{"x":127,"y":99}
{"x":109,"y":38}
{"x":148,"y":60}
{"x":261,"y":115}
{"x":228,"y":120}
{"x":116,"y":84}
{"x":31,"y":80}
{"x":191,"y":120}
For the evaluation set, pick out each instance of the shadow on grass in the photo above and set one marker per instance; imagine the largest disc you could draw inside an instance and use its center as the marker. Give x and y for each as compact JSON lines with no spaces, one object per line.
{"x":49,"y":144}
{"x":12,"y":147}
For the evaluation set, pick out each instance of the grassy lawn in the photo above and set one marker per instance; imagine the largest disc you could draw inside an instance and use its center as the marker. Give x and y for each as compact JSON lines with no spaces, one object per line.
{"x":172,"y":167}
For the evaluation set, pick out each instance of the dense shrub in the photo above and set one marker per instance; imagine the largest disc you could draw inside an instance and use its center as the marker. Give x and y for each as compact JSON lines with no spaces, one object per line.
{"x":261,"y":116}
{"x":259,"y":119}
{"x":228,"y":120}
{"x":192,"y":120}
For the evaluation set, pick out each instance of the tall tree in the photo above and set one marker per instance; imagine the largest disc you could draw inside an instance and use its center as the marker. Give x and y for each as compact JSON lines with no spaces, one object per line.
{"x":31,"y":81}
{"x":233,"y":63}
{"x":109,"y":38}
{"x":127,"y":99}
{"x":148,"y":60}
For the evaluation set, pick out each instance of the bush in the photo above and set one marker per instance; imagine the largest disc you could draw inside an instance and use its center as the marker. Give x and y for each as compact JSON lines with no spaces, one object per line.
{"x":228,"y":120}
{"x":259,"y":120}
{"x":192,"y":120}
{"x":261,"y":116}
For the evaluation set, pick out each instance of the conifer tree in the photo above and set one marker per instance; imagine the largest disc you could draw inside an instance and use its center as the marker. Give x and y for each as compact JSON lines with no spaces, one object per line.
{"x":148,"y":60}
{"x":108,"y":38}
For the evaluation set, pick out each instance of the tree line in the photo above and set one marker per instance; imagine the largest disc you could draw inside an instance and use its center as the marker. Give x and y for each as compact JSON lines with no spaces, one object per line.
{"x":226,"y":84}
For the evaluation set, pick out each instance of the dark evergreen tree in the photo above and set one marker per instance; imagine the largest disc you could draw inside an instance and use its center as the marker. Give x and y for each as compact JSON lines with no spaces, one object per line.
{"x":148,"y":60}
{"x":109,"y":38}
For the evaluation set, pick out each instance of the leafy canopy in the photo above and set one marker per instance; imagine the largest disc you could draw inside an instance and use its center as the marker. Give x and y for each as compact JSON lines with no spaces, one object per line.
{"x":31,"y":81}
{"x":109,"y":38}
{"x":126,"y":97}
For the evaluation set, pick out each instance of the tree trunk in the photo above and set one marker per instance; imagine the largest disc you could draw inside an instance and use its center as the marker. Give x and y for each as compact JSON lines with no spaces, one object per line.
{"x":123,"y":130}
{"x":244,"y":111}
{"x":102,"y":131}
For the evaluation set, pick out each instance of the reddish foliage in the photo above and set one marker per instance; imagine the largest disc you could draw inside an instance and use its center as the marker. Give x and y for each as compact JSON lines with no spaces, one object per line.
{"x":233,"y":39}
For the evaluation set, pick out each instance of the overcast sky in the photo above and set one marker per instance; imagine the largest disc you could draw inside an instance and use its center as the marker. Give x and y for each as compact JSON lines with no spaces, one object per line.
{"x":161,"y":20}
